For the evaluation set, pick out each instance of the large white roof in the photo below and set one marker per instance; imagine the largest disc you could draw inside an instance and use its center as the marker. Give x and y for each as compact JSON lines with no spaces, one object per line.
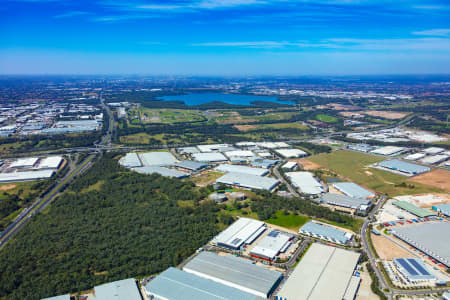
{"x":241,"y":169}
{"x":51,"y":162}
{"x":157,"y":158}
{"x":248,"y":181}
{"x":387,"y":150}
{"x":239,"y":232}
{"x":24,"y":176}
{"x":323,"y":273}
{"x":209,"y":157}
{"x":306,"y":182}
{"x":271,"y":245}
{"x":240,"y":153}
{"x":24,"y":162}
{"x":290,"y":153}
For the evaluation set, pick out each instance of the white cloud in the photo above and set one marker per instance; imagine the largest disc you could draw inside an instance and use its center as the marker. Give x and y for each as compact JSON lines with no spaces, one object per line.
{"x":434,"y":32}
{"x":71,"y":14}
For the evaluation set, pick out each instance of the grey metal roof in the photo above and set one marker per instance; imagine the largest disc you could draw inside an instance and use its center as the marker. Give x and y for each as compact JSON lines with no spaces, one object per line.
{"x":174,"y":284}
{"x":191,"y":165}
{"x":271,"y":245}
{"x":443,"y":208}
{"x":325,"y":232}
{"x":353,"y":190}
{"x":241,"y":169}
{"x":242,"y":231}
{"x":209,"y":157}
{"x":61,"y":297}
{"x":433,"y":238}
{"x":344,"y":201}
{"x":306,"y":182}
{"x":156,"y":158}
{"x":188,"y":150}
{"x":161,"y":171}
{"x":126,"y":289}
{"x":248,"y":181}
{"x":263,"y":163}
{"x":413,"y":269}
{"x":131,"y":160}
{"x":404,"y":167}
{"x":234,"y":271}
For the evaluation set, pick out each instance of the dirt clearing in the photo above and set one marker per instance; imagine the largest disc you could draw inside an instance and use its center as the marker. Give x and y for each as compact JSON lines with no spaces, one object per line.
{"x":437,"y":178}
{"x":7,"y":187}
{"x":386,"y":249}
{"x":306,"y":164}
{"x":244,"y":127}
{"x":386,"y":114}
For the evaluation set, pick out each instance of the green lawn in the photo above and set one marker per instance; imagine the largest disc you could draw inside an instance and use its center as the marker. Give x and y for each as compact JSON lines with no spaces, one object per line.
{"x":290,"y":221}
{"x":326,"y":118}
{"x":354,"y":166}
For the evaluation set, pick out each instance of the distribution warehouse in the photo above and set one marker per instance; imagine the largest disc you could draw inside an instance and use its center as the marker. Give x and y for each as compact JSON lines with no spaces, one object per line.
{"x":209,"y":157}
{"x":353,"y":190}
{"x":243,"y":231}
{"x":157,"y":159}
{"x":350,"y":203}
{"x":413,"y":269}
{"x":271,"y":245}
{"x":402,"y":167}
{"x":26,"y":176}
{"x":227,"y":168}
{"x":411,"y":208}
{"x":306,"y":182}
{"x":326,"y":232}
{"x":234,"y":272}
{"x":248,"y":181}
{"x":174,"y":284}
{"x":323,"y":273}
{"x":432,"y":238}
{"x":130,"y":160}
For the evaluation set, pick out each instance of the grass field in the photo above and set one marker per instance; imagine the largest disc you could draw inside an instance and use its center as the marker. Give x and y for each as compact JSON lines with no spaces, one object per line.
{"x":167,"y":116}
{"x":354,"y":166}
{"x":146,"y":139}
{"x":288,"y":221}
{"x":233,"y":117}
{"x":326,"y":118}
{"x":206,"y":178}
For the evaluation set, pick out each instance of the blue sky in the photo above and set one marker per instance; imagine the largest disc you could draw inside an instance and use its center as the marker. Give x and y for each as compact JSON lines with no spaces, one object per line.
{"x":225,"y":37}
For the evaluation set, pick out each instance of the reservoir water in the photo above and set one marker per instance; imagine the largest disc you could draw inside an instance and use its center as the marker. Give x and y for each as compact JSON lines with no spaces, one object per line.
{"x":202,"y":98}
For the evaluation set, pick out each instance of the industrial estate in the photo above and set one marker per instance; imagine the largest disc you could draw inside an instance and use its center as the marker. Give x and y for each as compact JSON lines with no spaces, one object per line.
{"x":119,"y":193}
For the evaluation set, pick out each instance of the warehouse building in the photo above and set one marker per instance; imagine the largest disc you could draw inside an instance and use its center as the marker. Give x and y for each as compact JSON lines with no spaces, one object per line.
{"x":349,"y":204}
{"x":411,"y":208}
{"x":62,"y":297}
{"x":161,"y":158}
{"x":191,"y":165}
{"x":216,"y":148}
{"x":161,"y":171}
{"x":130,"y":160}
{"x":434,"y":159}
{"x":188,"y":150}
{"x":306,"y":182}
{"x":353,"y":190}
{"x":242,"y":232}
{"x":227,"y":168}
{"x":291,"y":153}
{"x":324,"y":272}
{"x":432,"y":238}
{"x":402,"y":167}
{"x":290,"y":165}
{"x":248,"y":181}
{"x":210,"y":157}
{"x":388,"y":150}
{"x":433,"y":150}
{"x":326,"y":232}
{"x":262,"y":163}
{"x":272,"y":145}
{"x":174,"y":284}
{"x":22,"y":163}
{"x":235,"y":272}
{"x":413,"y":269}
{"x":26,"y":176}
{"x":414,"y":156}
{"x":118,"y":290}
{"x":51,"y":162}
{"x":271,"y":245}
{"x":239,"y":153}
{"x":443,"y":209}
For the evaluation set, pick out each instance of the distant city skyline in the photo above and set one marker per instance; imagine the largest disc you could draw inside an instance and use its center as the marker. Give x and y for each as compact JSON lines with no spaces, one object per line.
{"x":225,"y":37}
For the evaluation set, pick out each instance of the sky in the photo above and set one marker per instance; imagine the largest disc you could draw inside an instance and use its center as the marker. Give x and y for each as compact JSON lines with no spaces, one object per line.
{"x":225,"y":37}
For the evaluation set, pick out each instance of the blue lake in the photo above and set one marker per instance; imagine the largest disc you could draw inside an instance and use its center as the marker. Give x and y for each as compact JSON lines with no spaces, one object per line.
{"x":202,"y":98}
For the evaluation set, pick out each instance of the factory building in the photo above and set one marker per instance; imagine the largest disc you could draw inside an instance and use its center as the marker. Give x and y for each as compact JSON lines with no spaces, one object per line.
{"x":51,"y":162}
{"x":345,"y":203}
{"x":433,"y":150}
{"x":26,"y":176}
{"x":161,"y":158}
{"x":388,"y":150}
{"x":130,"y":160}
{"x":243,"y":231}
{"x":174,"y":284}
{"x":227,"y":168}
{"x":271,"y":245}
{"x":192,"y":166}
{"x":291,"y":153}
{"x":326,"y":232}
{"x":413,"y":270}
{"x":306,"y":182}
{"x":262,"y":163}
{"x":323,"y":273}
{"x":434,"y":159}
{"x":443,"y":209}
{"x":118,"y":290}
{"x":411,"y":208}
{"x":402,"y":167}
{"x":209,"y":157}
{"x":235,"y":272}
{"x":248,"y":181}
{"x":216,"y":148}
{"x":290,"y":165}
{"x":188,"y":150}
{"x":22,"y":163}
{"x":432,"y":238}
{"x":161,"y":171}
{"x":353,"y":190}
{"x":414,"y":156}
{"x":239,"y":153}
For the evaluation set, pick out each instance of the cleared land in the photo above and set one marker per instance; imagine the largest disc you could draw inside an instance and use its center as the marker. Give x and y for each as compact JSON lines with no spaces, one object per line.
{"x":438,"y":178}
{"x":306,"y":164}
{"x":233,"y":117}
{"x":167,"y":116}
{"x":354,"y":166}
{"x":288,"y":221}
{"x":386,"y":114}
{"x":205,"y":178}
{"x":294,"y":125}
{"x":386,"y":249}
